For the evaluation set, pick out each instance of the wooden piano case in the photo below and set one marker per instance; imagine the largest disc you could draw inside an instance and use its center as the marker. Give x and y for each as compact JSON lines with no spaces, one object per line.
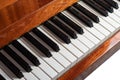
{"x":23,"y":15}
{"x":20,"y":16}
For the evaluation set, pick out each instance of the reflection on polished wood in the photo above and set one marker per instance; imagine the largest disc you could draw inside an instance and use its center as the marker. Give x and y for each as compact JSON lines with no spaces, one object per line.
{"x":83,"y":65}
{"x":5,"y":3}
{"x":24,"y":15}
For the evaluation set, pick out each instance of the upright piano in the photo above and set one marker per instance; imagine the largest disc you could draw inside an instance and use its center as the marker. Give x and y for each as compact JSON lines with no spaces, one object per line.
{"x":56,"y":39}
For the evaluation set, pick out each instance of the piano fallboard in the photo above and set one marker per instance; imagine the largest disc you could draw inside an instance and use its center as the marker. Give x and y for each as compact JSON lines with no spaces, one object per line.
{"x":15,"y":18}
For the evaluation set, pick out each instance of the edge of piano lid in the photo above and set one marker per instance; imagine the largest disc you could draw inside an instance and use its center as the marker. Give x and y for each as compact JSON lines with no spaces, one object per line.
{"x":19,"y":18}
{"x":92,"y":61}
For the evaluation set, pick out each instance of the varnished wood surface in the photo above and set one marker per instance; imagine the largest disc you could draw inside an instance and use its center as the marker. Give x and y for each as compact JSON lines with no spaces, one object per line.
{"x":24,"y":15}
{"x":4,"y":3}
{"x":84,"y":64}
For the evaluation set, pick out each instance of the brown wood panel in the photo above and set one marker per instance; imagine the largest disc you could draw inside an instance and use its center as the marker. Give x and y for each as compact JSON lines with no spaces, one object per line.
{"x":84,"y":64}
{"x":25,"y":21}
{"x":26,"y":7}
{"x":4,"y":3}
{"x":18,"y":10}
{"x":4,"y":18}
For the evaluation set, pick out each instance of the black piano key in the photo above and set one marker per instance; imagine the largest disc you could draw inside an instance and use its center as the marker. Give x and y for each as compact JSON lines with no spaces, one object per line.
{"x":26,"y":53}
{"x":97,"y":7}
{"x":47,"y":40}
{"x":57,"y":32}
{"x":38,"y":45}
{"x":71,"y":23}
{"x":1,"y":77}
{"x":104,"y":5}
{"x":18,"y":59}
{"x":112,"y":3}
{"x":80,"y":16}
{"x":86,"y":12}
{"x":11,"y":66}
{"x":64,"y":27}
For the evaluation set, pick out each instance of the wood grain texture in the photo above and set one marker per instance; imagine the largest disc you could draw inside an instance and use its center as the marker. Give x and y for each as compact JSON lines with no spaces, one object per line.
{"x":19,"y":18}
{"x":84,"y":64}
{"x":5,"y":3}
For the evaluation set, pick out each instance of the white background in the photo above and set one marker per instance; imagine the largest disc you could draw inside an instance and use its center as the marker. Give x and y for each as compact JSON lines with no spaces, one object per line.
{"x":110,"y":70}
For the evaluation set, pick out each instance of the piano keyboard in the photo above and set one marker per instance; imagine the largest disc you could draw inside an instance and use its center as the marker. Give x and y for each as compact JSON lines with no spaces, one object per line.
{"x":52,"y":48}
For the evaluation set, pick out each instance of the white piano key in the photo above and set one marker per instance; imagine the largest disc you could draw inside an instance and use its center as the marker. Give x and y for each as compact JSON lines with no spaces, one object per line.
{"x":96,"y":33}
{"x":54,"y":64}
{"x":117,"y":12}
{"x":30,"y":76}
{"x":106,"y":25}
{"x":91,"y":37}
{"x":18,"y":79}
{"x":117,"y":2}
{"x":101,"y":29}
{"x":112,"y":22}
{"x":87,"y":42}
{"x":63,"y":51}
{"x":114,"y":17}
{"x":4,"y":75}
{"x":40,"y":74}
{"x":73,"y":50}
{"x":80,"y":46}
{"x":67,"y":54}
{"x":102,"y":18}
{"x":44,"y":66}
{"x":52,"y":73}
{"x":61,"y":59}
